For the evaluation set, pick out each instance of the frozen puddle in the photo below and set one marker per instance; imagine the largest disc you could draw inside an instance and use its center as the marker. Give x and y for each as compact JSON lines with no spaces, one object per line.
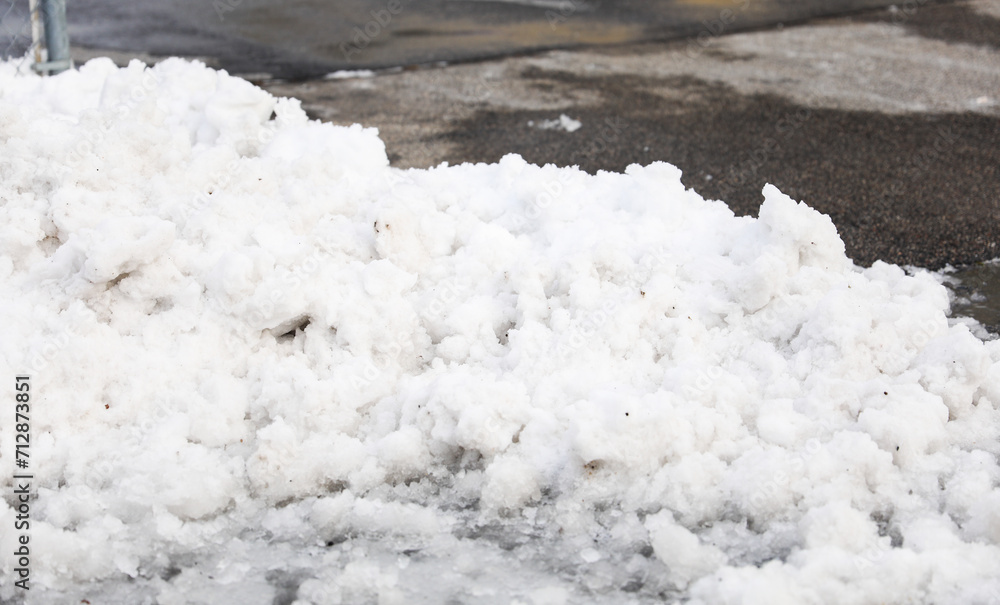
{"x":976,"y":293}
{"x":269,"y":368}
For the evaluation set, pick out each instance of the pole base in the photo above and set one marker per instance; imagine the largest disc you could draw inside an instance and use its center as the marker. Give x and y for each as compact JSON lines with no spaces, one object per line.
{"x":53,"y":67}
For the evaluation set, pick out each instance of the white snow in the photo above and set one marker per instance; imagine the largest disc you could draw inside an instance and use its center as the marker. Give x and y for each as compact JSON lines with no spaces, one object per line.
{"x":346,"y":74}
{"x":563,"y":123}
{"x":268,"y":367}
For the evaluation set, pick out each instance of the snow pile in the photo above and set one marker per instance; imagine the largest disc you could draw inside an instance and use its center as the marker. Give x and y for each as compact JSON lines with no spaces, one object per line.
{"x":270,"y":368}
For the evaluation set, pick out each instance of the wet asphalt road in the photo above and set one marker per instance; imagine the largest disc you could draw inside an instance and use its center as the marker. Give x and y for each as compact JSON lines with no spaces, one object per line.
{"x":297,"y":39}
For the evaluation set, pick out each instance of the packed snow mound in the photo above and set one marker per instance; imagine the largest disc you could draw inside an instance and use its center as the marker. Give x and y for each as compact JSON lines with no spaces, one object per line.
{"x":270,"y":368}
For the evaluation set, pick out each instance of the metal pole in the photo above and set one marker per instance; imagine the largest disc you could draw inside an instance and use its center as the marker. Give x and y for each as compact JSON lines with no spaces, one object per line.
{"x":37,"y":32}
{"x":56,"y":37}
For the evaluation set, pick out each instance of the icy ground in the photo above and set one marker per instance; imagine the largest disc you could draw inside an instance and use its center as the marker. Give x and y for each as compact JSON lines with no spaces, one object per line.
{"x":269,"y":368}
